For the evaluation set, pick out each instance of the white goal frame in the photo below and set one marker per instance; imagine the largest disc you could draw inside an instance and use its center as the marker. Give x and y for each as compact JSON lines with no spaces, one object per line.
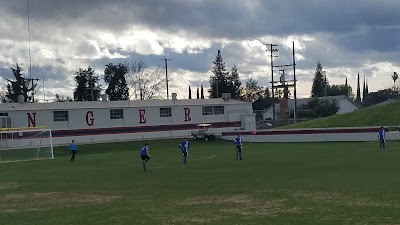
{"x":26,"y":139}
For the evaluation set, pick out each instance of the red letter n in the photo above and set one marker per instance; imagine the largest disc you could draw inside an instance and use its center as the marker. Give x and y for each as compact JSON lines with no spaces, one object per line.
{"x":31,"y":120}
{"x":187,"y":115}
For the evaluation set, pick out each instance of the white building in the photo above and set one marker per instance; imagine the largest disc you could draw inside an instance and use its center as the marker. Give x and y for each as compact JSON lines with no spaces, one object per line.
{"x":103,"y":121}
{"x":345,"y":105}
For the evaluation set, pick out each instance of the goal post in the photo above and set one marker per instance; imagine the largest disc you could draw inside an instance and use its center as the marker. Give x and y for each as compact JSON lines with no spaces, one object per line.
{"x":25,"y":144}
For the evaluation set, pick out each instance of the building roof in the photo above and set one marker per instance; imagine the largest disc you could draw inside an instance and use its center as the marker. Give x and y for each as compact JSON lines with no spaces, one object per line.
{"x":118,"y":104}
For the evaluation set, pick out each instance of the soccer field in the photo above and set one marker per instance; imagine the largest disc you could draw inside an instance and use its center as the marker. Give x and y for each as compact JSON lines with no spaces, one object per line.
{"x":288,"y":183}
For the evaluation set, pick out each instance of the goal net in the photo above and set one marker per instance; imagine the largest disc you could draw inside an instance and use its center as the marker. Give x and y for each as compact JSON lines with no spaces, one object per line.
{"x":24,"y":144}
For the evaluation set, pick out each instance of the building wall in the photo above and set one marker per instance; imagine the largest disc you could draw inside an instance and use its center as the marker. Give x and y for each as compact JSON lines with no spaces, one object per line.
{"x":346,"y":106}
{"x":93,"y":124}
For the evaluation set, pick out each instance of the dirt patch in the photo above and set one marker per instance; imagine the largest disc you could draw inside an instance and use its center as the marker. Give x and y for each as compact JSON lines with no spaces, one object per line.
{"x":235,"y":199}
{"x":342,"y":199}
{"x":7,"y":185}
{"x":48,"y":200}
{"x":243,"y":205}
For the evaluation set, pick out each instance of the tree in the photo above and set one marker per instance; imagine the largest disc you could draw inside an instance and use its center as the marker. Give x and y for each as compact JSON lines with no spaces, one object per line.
{"x":198,"y":93}
{"x":381,"y":96}
{"x":234,"y":83}
{"x":202,"y":92}
{"x":259,"y":96}
{"x":19,"y":86}
{"x":358,"y":98}
{"x":251,"y":91}
{"x":114,"y":76}
{"x":61,"y":98}
{"x":145,"y":83}
{"x":395,"y":76}
{"x":264,"y":101}
{"x":219,"y":81}
{"x":87,"y":86}
{"x":335,"y":90}
{"x":317,"y":107}
{"x":319,"y":82}
{"x":190,"y":93}
{"x":3,"y":93}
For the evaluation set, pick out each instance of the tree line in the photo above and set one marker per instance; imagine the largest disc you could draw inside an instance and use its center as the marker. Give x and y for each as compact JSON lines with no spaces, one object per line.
{"x":124,"y":81}
{"x":321,"y":88}
{"x":138,"y":81}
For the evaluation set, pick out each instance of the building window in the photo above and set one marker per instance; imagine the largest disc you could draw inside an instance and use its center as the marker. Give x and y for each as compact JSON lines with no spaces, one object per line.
{"x":213,"y":110}
{"x":165,"y":112}
{"x":116,"y":114}
{"x":60,"y":116}
{"x":3,"y":114}
{"x":207,"y":110}
{"x":218,"y":110}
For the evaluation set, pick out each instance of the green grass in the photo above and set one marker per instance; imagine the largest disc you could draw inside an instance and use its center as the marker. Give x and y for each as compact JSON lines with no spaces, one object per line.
{"x":286,"y":183}
{"x":386,"y":115}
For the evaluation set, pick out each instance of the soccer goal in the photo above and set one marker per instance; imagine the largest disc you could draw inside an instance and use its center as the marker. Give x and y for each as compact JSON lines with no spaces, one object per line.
{"x":24,"y":144}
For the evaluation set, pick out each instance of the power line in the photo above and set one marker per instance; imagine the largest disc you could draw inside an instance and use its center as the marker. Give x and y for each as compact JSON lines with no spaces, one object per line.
{"x":29,"y":41}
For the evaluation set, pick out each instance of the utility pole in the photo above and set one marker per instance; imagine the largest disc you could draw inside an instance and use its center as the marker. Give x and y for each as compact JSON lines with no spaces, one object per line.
{"x":295,"y":87}
{"x":272,"y":50}
{"x":324,"y":73}
{"x":29,"y":52}
{"x":166,"y":74}
{"x":44,"y":91}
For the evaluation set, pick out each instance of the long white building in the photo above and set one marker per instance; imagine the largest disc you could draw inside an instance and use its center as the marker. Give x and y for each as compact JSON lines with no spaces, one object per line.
{"x":103,"y":121}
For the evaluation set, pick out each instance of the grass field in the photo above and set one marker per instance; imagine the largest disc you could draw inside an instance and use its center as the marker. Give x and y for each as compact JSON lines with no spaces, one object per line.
{"x":288,"y":183}
{"x":386,"y":115}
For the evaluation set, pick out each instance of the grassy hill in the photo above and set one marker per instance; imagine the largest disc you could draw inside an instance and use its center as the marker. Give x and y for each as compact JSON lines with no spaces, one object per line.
{"x":386,"y":115}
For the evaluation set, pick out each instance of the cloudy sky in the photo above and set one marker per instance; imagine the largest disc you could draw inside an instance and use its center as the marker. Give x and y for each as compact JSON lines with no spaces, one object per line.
{"x":346,"y":36}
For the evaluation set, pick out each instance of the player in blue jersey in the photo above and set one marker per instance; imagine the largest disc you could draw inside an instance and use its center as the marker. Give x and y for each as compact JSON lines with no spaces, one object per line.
{"x":239,"y":144}
{"x":73,"y":149}
{"x":184,"y":146}
{"x":144,"y":155}
{"x":382,"y":139}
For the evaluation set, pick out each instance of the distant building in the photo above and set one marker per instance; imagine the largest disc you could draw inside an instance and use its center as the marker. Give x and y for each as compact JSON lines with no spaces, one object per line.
{"x":346,"y":105}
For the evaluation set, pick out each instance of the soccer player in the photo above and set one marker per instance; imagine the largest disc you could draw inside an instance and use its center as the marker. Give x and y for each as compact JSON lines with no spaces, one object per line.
{"x":73,"y":149}
{"x":144,"y":155}
{"x":184,"y":146}
{"x":381,"y":136}
{"x":239,"y":143}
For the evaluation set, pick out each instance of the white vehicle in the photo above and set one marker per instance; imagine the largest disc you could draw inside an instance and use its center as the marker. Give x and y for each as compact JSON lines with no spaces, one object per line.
{"x":203,"y":132}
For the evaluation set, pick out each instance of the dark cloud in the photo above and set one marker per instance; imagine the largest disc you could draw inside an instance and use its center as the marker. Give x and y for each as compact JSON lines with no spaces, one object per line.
{"x":225,"y":18}
{"x":344,"y":35}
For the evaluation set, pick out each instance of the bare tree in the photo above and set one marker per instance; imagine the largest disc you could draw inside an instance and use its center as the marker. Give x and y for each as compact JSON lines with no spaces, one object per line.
{"x":3,"y":94}
{"x":145,"y":83}
{"x":62,"y":98}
